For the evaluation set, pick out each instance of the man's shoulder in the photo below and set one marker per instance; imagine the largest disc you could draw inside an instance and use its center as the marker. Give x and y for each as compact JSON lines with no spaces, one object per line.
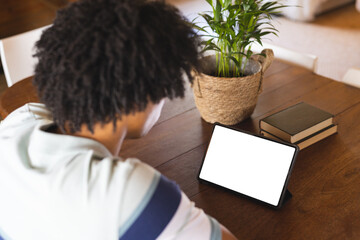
{"x":149,"y":201}
{"x":30,"y":113}
{"x":155,"y":207}
{"x":127,"y":180}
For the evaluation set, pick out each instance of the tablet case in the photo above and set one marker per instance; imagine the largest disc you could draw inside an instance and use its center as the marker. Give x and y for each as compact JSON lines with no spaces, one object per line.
{"x":285,"y":195}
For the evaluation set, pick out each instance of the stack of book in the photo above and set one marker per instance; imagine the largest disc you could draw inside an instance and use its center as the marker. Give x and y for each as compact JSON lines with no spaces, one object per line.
{"x":301,"y":124}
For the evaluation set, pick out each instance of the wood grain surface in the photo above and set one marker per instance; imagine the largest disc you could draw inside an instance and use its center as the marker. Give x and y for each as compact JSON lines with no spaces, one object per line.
{"x":18,"y":16}
{"x":325,"y":182}
{"x":17,"y":95}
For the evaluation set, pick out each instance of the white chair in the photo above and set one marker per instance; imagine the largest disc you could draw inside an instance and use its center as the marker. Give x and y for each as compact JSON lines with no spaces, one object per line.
{"x":352,"y":77}
{"x":305,"y":60}
{"x":17,"y":55}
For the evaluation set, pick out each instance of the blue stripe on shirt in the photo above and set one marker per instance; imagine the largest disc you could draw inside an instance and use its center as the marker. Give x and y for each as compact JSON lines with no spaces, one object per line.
{"x":3,"y":236}
{"x":157,"y":213}
{"x":215,"y":229}
{"x":129,"y":222}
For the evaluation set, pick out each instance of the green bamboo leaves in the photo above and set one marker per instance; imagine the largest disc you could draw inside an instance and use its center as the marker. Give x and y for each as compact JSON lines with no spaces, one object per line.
{"x":232,"y":26}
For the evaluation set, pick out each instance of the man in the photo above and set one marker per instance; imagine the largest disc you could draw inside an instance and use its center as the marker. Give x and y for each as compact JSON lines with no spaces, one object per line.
{"x":105,"y":67}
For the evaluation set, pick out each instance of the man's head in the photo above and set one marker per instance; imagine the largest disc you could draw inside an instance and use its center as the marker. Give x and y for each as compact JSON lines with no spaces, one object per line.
{"x":103,"y":59}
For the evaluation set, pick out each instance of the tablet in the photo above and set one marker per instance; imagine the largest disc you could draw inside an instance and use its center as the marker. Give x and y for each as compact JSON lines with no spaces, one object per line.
{"x":250,"y":165}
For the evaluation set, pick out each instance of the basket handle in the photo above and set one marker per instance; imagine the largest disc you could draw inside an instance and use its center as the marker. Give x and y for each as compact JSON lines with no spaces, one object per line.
{"x":196,"y":87}
{"x":266,"y":60}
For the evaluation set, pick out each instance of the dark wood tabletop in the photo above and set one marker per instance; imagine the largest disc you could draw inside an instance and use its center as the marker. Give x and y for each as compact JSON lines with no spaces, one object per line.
{"x":325,"y":181}
{"x":17,"y":95}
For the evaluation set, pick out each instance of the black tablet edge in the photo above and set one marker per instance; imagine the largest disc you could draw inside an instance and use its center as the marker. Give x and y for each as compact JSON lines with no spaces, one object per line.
{"x":282,"y":196}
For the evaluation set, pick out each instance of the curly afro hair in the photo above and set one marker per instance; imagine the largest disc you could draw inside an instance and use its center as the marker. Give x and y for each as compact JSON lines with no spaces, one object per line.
{"x":104,"y":58}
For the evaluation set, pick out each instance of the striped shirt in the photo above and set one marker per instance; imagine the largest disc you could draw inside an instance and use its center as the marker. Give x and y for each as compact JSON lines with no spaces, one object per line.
{"x":57,"y":186}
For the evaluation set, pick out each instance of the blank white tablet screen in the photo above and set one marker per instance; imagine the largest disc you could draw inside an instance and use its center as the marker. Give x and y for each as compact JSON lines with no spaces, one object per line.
{"x":247,"y":164}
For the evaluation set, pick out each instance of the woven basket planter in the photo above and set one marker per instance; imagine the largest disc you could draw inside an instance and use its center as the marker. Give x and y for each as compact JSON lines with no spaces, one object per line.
{"x":229,"y":100}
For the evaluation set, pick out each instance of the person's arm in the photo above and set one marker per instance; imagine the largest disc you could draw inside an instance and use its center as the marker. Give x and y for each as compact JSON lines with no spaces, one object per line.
{"x":165,"y":211}
{"x":226,"y":234}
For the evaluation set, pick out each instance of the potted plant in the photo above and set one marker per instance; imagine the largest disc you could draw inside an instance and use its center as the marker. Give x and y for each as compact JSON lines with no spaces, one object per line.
{"x":227,"y":88}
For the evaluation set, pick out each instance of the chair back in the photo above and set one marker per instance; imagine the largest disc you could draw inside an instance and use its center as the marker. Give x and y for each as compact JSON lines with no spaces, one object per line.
{"x":17,"y":55}
{"x":352,"y":77}
{"x":305,"y":60}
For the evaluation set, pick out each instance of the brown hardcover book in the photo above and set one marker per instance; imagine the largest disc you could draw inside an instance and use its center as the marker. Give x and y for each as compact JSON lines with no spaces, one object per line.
{"x":296,"y":122}
{"x":316,"y":137}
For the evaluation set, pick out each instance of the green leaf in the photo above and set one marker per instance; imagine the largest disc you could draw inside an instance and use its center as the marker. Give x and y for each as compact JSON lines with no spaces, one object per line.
{"x":226,"y":3}
{"x":217,"y":13}
{"x":236,"y":62}
{"x":210,"y":2}
{"x":236,"y":24}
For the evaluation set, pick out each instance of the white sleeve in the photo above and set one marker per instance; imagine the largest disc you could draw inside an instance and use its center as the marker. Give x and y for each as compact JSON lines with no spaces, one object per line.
{"x":190,"y":222}
{"x":30,"y":112}
{"x":25,"y":117}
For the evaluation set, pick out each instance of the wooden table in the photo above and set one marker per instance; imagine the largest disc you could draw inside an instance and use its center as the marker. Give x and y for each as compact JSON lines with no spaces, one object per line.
{"x":17,"y":95}
{"x":325,"y":182}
